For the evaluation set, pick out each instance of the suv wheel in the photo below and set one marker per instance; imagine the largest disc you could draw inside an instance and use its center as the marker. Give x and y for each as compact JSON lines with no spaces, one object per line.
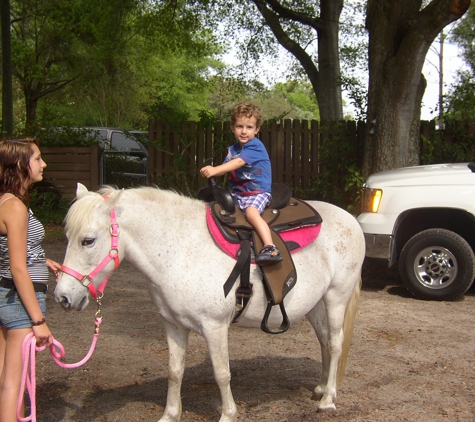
{"x":437,"y":264}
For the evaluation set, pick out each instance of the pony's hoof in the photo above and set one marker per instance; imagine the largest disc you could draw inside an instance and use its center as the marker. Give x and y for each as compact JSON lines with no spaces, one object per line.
{"x":328,"y":408}
{"x":317,"y":395}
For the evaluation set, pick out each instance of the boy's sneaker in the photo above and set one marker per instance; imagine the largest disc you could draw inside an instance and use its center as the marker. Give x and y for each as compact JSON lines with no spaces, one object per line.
{"x":269,"y":255}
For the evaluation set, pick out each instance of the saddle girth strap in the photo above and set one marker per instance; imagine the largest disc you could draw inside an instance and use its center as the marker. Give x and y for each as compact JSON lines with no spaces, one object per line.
{"x":242,"y":267}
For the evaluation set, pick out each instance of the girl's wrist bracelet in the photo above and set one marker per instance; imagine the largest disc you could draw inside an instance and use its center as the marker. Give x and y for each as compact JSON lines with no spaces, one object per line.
{"x":36,"y":323}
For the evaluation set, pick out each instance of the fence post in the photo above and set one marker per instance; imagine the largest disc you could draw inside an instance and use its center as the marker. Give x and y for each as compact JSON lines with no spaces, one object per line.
{"x":305,"y":155}
{"x":94,"y":165}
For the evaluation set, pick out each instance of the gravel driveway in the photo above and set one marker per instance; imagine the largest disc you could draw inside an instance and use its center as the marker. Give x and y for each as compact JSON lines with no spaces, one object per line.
{"x":410,"y":361}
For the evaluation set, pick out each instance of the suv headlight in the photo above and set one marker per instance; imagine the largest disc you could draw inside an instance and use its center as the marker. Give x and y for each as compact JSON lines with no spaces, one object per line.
{"x":371,"y":200}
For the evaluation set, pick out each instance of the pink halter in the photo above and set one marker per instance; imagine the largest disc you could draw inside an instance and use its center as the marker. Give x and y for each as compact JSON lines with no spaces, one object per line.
{"x":87,"y":280}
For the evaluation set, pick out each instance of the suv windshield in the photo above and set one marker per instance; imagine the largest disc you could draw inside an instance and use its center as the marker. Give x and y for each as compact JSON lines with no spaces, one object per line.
{"x":121,"y":142}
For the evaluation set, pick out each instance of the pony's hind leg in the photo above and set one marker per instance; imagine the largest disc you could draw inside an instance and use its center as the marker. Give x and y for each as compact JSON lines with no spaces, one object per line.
{"x":177,"y":339}
{"x":328,"y":327}
{"x":333,"y":320}
{"x":318,"y":318}
{"x":217,"y":341}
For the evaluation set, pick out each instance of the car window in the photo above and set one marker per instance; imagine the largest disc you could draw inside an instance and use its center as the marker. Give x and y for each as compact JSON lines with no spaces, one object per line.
{"x":120,"y":142}
{"x":140,"y":135}
{"x":104,"y":142}
{"x":103,"y":134}
{"x":99,"y":134}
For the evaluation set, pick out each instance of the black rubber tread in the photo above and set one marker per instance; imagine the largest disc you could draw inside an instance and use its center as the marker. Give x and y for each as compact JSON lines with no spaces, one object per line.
{"x":457,"y":246}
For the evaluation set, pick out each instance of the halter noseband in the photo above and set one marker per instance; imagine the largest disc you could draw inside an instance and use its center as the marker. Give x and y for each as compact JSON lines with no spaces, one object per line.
{"x":87,"y":280}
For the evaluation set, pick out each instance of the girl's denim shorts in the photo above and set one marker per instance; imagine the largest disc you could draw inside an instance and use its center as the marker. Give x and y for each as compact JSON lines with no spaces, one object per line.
{"x":13,"y":314}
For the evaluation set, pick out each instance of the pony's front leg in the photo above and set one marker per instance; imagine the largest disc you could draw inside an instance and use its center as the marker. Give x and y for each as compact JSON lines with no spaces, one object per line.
{"x":177,"y":339}
{"x":217,"y":340}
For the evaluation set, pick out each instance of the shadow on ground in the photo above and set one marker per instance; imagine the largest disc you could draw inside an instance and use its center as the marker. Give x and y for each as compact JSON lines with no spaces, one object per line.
{"x":274,"y":377}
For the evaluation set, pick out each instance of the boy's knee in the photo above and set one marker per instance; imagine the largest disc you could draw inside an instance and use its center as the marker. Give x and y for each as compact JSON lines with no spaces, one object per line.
{"x":252,"y":212}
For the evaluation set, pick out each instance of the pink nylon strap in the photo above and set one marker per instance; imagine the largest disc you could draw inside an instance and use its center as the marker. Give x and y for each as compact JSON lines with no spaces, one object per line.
{"x":87,"y":280}
{"x":28,"y":378}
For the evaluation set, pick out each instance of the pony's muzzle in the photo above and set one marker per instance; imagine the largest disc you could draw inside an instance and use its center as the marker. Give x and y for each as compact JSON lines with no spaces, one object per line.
{"x":68,"y":303}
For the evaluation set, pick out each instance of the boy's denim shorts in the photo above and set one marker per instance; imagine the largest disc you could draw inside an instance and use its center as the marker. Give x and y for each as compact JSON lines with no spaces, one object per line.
{"x":13,"y":314}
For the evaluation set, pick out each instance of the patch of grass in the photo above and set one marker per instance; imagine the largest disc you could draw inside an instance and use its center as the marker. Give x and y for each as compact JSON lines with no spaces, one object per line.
{"x":54,"y":232}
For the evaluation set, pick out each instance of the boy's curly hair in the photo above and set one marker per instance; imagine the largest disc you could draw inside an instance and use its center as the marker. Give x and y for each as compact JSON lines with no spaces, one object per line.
{"x":246,"y":109}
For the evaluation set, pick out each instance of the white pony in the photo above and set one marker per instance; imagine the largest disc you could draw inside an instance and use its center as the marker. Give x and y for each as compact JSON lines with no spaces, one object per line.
{"x":165,"y":236}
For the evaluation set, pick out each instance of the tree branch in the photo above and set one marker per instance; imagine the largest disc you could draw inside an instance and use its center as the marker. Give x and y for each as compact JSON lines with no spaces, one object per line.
{"x":273,"y":21}
{"x":287,"y":13}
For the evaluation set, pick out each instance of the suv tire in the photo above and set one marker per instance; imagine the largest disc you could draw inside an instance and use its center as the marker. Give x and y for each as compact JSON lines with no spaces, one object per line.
{"x":437,"y":264}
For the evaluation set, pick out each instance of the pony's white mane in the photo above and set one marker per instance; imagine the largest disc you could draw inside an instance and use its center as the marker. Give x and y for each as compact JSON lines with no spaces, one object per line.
{"x":79,"y":213}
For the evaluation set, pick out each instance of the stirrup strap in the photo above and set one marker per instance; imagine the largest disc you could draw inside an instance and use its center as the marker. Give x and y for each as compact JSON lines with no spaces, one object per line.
{"x":243,"y":267}
{"x":243,"y":262}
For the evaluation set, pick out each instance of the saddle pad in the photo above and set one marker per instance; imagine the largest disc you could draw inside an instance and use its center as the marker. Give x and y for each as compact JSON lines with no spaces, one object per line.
{"x":298,"y":238}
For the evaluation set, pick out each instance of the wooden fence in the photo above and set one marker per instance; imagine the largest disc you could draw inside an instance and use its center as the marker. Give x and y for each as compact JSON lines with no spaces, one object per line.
{"x":293,"y":148}
{"x":66,"y":166}
{"x":451,"y":131}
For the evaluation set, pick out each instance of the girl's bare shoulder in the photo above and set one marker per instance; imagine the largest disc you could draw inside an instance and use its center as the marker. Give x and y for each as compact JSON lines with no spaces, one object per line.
{"x":12,"y":206}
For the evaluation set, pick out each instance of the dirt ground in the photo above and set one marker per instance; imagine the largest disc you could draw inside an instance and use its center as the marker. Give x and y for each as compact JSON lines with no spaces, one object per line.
{"x":410,"y":360}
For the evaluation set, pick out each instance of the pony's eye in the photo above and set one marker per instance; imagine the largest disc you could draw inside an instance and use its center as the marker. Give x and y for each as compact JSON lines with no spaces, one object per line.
{"x":87,"y":242}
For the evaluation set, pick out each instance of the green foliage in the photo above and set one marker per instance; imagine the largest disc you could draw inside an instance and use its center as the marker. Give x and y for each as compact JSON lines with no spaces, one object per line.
{"x":340,"y":182}
{"x":293,"y":99}
{"x":48,"y":205}
{"x":299,"y":96}
{"x":453,"y":144}
{"x":179,"y":89}
{"x":67,"y":137}
{"x":228,"y":88}
{"x":358,"y":95}
{"x":354,"y":181}
{"x":460,"y":99}
{"x":109,"y":62}
{"x":278,"y":40}
{"x":354,"y":56}
{"x":55,"y":42}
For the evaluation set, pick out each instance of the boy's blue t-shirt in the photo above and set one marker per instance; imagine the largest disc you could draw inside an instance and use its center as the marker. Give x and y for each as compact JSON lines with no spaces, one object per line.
{"x":256,"y":175}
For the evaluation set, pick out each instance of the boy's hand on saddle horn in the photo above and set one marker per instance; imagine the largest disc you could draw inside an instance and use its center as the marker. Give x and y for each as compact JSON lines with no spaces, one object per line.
{"x":207,"y":171}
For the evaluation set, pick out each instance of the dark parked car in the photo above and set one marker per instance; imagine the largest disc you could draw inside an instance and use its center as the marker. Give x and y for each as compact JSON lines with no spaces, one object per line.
{"x":112,"y":139}
{"x":124,"y":157}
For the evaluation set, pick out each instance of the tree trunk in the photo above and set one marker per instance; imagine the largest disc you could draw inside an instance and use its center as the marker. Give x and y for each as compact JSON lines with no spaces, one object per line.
{"x":400,"y":34}
{"x":325,"y":78}
{"x":329,"y":75}
{"x":7,"y":84}
{"x":31,"y":104}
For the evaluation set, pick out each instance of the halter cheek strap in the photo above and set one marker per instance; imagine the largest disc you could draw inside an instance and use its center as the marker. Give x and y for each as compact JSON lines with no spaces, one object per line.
{"x":113,"y":255}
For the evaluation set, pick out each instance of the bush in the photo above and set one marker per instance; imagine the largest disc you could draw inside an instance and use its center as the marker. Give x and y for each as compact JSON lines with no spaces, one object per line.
{"x":67,"y":137}
{"x":48,"y":206}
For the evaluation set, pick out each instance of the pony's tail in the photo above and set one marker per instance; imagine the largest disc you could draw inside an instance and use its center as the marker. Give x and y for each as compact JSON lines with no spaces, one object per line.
{"x":348,"y":325}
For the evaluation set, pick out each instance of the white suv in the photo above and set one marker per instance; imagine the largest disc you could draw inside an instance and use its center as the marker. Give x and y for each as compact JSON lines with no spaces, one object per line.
{"x":423,"y":218}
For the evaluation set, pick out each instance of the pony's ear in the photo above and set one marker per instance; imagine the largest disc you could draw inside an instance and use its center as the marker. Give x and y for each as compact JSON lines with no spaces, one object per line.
{"x":113,"y":198}
{"x":81,"y":190}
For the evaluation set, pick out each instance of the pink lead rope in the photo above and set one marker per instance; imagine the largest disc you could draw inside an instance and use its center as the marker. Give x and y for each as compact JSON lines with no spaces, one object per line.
{"x":28,"y":378}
